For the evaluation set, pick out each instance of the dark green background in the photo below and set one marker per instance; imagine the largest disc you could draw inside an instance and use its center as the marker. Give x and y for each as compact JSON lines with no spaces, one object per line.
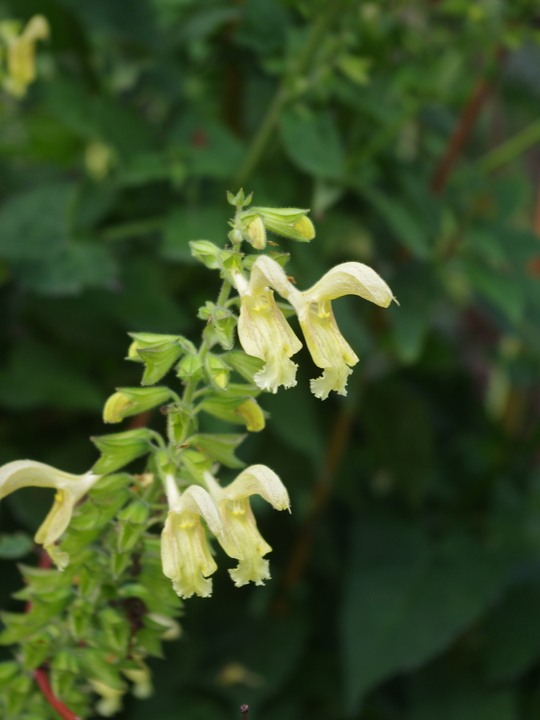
{"x":416,"y":500}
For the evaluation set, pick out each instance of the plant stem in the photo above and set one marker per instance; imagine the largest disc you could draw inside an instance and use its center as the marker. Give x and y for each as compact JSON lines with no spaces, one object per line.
{"x":296,"y":70}
{"x":512,"y":148}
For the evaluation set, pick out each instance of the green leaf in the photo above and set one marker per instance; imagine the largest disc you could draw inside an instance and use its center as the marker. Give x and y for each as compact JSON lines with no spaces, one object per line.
{"x":402,"y":222}
{"x":513,"y":641}
{"x":37,"y":376}
{"x":506,"y":292}
{"x":34,"y":224}
{"x":220,"y":447}
{"x":406,"y":600}
{"x":313,"y":143}
{"x":186,"y":224}
{"x":15,"y":546}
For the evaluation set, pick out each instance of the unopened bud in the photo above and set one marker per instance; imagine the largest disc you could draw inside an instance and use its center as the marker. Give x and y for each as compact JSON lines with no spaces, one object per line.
{"x":256,"y":233}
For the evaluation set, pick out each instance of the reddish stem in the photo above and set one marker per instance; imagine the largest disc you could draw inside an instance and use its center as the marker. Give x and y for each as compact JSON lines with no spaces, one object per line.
{"x":460,"y":135}
{"x":45,"y":687}
{"x":40,"y":675}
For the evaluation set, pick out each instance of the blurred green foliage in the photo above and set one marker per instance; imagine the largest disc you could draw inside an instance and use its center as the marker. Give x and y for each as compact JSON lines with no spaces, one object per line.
{"x":406,"y":583}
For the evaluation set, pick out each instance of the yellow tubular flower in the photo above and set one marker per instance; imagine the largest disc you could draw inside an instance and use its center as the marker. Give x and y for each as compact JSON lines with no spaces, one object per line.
{"x":70,"y":489}
{"x":241,"y":538}
{"x":111,"y":698}
{"x":185,"y":554}
{"x":263,"y":330}
{"x":327,"y":346}
{"x":21,"y":53}
{"x":329,"y":349}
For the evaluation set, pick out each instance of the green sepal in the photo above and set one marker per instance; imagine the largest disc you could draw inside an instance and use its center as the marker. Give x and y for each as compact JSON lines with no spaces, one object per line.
{"x":231,"y":261}
{"x":217,"y":371}
{"x":118,"y":563}
{"x":126,"y":402}
{"x":206,"y":252}
{"x":128,"y":536}
{"x":64,"y":671}
{"x":21,"y":626}
{"x":119,"y":449}
{"x":190,"y":368}
{"x":142,"y":341}
{"x":8,"y":670}
{"x":42,"y":580}
{"x":292,"y":223}
{"x":90,"y":581}
{"x":221,"y":324}
{"x":240,"y":410}
{"x":95,"y":665}
{"x":36,"y":651}
{"x":15,"y":696}
{"x":245,"y":365}
{"x":181,"y":422}
{"x":149,"y":641}
{"x":239,"y":200}
{"x":159,"y":359}
{"x":219,"y":447}
{"x":110,"y":483}
{"x":196,"y":464}
{"x":116,"y":629}
{"x":158,"y":597}
{"x":80,"y":614}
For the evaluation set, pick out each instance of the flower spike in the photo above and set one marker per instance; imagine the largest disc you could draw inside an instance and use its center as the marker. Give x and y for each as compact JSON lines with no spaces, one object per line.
{"x":69,"y":490}
{"x":241,"y":538}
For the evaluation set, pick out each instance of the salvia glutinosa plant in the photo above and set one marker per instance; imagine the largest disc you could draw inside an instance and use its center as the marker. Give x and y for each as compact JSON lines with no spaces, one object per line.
{"x":129,"y":548}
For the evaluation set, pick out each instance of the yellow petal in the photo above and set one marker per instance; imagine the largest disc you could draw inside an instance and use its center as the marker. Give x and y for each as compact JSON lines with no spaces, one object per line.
{"x":351,"y":278}
{"x":264,"y":332}
{"x":185,"y":555}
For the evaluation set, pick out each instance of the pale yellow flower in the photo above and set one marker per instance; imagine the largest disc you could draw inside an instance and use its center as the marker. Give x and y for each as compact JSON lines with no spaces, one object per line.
{"x":21,"y":53}
{"x":110,"y":698}
{"x":263,"y":330}
{"x":69,"y":490}
{"x":241,"y":539}
{"x":185,"y":554}
{"x":329,"y":349}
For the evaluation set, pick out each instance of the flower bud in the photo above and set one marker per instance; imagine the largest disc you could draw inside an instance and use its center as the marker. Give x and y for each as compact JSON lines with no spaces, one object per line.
{"x":190,"y":368}
{"x":289,"y":222}
{"x":132,"y":401}
{"x":218,"y":371}
{"x":256,"y":233}
{"x":206,"y":252}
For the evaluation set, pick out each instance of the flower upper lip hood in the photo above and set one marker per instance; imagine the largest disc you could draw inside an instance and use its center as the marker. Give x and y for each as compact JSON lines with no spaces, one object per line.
{"x":70,"y":489}
{"x":241,"y":539}
{"x":329,"y":349}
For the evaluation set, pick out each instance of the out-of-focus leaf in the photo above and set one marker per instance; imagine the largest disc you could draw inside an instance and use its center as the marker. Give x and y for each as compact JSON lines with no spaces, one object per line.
{"x":186,"y":224}
{"x":34,"y":224}
{"x":448,"y":693}
{"x":512,"y":640}
{"x":313,"y":143}
{"x":209,"y":148}
{"x":15,"y":546}
{"x":80,"y":265}
{"x":402,"y":222}
{"x":37,"y":376}
{"x":406,"y":599}
{"x":504,"y":291}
